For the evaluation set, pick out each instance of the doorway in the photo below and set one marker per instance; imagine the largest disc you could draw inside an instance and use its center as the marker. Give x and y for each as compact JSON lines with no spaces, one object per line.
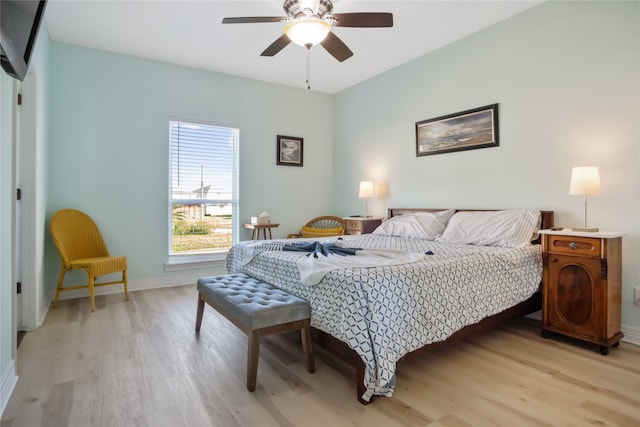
{"x":27,"y":256}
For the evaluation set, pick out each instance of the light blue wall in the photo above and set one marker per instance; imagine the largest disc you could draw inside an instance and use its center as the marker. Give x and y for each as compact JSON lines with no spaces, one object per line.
{"x":109,"y":147}
{"x":567,"y":78}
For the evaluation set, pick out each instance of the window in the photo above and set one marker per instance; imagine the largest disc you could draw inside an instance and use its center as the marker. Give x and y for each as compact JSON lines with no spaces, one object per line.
{"x":203,"y":200}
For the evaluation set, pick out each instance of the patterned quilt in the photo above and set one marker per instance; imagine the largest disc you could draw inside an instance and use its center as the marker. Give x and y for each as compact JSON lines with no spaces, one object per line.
{"x":386,"y":312}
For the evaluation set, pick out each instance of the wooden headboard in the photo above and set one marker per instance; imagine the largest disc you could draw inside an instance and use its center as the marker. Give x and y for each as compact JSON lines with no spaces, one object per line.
{"x":547,"y":216}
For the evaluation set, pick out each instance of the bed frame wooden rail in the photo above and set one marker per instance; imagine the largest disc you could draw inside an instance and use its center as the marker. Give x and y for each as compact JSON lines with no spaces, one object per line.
{"x":344,"y":352}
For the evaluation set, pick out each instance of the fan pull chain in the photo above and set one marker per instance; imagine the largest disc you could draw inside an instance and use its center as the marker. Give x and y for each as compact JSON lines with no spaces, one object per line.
{"x":309,"y":67}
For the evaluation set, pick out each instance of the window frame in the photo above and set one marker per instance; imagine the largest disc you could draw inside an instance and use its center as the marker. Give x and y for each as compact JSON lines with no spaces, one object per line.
{"x":200,"y":260}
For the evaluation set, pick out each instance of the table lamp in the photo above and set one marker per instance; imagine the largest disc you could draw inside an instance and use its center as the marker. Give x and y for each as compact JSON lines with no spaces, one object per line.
{"x":366,"y":191}
{"x":585,"y":181}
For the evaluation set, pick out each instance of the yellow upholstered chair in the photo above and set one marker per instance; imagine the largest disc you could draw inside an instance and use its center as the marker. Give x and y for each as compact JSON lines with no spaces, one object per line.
{"x":322,"y":226}
{"x":81,"y":247}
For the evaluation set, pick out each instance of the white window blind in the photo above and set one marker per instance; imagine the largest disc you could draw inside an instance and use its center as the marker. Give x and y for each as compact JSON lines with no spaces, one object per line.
{"x":204,"y":187}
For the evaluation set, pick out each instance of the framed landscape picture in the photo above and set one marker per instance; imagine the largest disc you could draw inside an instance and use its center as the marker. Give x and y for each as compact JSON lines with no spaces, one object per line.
{"x":466,"y":130}
{"x":289,"y":150}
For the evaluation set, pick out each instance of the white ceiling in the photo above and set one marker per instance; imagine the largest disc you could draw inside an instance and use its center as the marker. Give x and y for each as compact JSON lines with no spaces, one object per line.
{"x":190,"y":33}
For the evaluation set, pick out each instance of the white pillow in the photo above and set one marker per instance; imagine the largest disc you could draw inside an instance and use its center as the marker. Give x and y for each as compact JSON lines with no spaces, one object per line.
{"x":418,"y":225}
{"x":434,"y":223}
{"x":510,"y":228}
{"x":403,"y":226}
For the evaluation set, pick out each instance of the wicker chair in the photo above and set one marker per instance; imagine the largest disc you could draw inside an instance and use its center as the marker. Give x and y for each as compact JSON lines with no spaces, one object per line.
{"x":81,"y":247}
{"x":322,"y":226}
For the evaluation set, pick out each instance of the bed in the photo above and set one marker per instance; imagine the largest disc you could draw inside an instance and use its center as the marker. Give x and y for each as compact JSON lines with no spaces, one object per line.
{"x":375,"y":315}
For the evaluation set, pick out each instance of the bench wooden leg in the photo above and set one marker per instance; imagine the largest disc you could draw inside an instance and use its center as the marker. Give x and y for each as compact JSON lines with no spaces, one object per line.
{"x":199,"y":313}
{"x":252,"y":360}
{"x":307,"y":347}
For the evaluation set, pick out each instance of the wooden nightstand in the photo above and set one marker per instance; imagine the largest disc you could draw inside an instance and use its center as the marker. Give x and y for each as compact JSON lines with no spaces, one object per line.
{"x":361,"y":225}
{"x":582,"y":286}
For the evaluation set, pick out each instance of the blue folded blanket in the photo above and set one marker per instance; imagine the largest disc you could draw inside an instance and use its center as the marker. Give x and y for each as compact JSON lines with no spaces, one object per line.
{"x":315,"y":248}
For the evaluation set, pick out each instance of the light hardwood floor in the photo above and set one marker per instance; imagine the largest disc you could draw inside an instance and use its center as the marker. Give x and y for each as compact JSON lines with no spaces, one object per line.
{"x":139,"y":363}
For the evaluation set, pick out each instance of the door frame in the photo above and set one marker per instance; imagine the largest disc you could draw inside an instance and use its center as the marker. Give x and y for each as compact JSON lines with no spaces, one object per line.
{"x":27,"y":173}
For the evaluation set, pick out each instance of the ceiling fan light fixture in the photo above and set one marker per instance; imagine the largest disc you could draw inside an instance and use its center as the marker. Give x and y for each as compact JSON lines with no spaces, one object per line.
{"x":307,"y":32}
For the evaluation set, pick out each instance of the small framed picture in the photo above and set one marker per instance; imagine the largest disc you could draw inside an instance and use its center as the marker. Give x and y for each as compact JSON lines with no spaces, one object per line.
{"x":289,"y":151}
{"x":466,"y":130}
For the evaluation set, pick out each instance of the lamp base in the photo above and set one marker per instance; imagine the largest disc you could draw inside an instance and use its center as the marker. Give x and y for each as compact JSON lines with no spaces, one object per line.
{"x":587,"y":230}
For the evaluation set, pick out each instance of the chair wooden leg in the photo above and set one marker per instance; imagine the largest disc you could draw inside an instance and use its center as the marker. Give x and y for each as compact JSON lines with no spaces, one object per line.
{"x":92,"y":292}
{"x":307,"y":347}
{"x":252,"y":360}
{"x":124,"y":280}
{"x":199,"y":313}
{"x":59,"y":288}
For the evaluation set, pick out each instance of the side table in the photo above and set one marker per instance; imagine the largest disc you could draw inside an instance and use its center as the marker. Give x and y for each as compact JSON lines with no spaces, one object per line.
{"x":255,"y":230}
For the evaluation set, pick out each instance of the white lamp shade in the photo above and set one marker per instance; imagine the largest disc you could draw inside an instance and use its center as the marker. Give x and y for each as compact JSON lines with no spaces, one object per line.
{"x":307,"y":31}
{"x":585,"y":180}
{"x":366,"y":189}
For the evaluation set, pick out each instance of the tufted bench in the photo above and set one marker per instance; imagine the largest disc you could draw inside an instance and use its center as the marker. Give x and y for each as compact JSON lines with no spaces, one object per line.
{"x":258,"y":309}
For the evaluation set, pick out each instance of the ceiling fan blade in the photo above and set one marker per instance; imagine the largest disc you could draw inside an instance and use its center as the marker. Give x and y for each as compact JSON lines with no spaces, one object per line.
{"x":336,"y":47}
{"x":363,"y":19}
{"x":275,"y":47}
{"x":253,"y":19}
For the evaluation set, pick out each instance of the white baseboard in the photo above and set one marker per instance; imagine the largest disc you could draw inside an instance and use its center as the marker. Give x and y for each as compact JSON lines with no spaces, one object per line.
{"x":631,"y":334}
{"x":537,"y":315}
{"x":139,"y":285}
{"x":8,"y":382}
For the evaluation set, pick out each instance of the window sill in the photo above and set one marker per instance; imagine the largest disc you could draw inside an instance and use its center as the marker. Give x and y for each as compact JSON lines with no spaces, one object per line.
{"x":190,"y":262}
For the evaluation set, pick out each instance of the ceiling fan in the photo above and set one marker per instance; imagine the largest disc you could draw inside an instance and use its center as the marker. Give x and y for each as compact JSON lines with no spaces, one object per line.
{"x":309,"y":22}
